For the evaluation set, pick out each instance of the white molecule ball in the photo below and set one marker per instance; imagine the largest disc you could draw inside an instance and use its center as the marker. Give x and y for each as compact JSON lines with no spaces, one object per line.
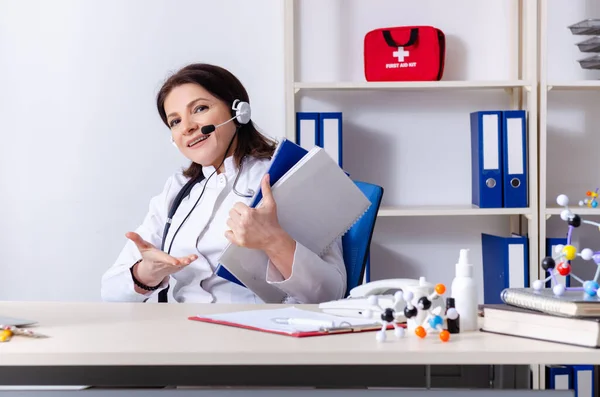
{"x":408,"y":296}
{"x":558,"y":289}
{"x":565,"y":214}
{"x":587,"y":254}
{"x":399,"y":332}
{"x":537,"y":285}
{"x":562,"y":200}
{"x":398,"y":296}
{"x":452,"y":314}
{"x":582,"y":203}
{"x":373,"y":300}
{"x":558,"y":248}
{"x":598,"y":292}
{"x":368,"y":313}
{"x":380,"y":336}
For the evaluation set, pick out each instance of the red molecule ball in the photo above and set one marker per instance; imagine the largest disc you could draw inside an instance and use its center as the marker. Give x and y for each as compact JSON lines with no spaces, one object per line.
{"x":563,"y":269}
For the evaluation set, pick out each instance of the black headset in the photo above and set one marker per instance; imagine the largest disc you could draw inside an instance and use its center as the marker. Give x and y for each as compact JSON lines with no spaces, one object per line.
{"x":241,"y":114}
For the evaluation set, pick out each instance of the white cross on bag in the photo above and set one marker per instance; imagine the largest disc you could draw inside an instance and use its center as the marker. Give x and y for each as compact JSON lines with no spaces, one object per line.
{"x":400,"y":54}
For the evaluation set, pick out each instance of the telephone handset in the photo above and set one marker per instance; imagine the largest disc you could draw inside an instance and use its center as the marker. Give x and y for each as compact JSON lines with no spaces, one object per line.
{"x":388,"y":287}
{"x":357,"y":303}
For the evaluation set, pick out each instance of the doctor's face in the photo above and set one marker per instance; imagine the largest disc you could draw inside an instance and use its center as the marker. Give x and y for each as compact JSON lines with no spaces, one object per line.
{"x":189,"y":107}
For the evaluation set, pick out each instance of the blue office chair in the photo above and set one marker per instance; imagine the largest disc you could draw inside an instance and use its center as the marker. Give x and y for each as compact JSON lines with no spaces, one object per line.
{"x":357,"y":241}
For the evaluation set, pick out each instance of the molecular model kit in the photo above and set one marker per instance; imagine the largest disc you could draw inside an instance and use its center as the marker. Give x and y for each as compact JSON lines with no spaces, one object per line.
{"x":560,"y":261}
{"x":434,"y":320}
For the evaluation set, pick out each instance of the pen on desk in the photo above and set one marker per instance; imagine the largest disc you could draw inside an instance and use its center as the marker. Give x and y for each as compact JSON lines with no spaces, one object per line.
{"x":19,"y":331}
{"x":304,"y":321}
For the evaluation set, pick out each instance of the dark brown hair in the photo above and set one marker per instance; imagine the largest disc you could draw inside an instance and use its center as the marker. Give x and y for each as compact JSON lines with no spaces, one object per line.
{"x":224,"y":85}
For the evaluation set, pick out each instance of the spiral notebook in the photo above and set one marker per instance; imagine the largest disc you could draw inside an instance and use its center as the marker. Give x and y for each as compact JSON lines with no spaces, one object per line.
{"x":316,"y":203}
{"x":572,"y":303}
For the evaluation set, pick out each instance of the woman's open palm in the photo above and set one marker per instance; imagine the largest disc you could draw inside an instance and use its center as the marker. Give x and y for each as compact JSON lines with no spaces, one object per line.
{"x":156,"y":264}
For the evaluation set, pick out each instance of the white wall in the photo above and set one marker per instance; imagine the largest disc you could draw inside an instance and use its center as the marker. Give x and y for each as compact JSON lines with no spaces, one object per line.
{"x":83,"y":149}
{"x":573,"y":124}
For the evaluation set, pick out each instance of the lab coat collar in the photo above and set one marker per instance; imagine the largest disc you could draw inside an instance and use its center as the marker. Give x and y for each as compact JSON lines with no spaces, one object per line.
{"x":230,"y":168}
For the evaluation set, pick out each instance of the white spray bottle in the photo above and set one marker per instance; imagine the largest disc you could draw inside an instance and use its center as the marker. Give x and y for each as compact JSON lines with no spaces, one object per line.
{"x":464,"y":292}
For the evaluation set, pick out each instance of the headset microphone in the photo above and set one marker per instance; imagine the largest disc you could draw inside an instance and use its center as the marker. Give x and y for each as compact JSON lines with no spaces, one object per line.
{"x":207,"y":129}
{"x":242,"y":114}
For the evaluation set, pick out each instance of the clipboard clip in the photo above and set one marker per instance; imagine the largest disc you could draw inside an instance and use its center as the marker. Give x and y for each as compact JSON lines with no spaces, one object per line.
{"x":345,"y":326}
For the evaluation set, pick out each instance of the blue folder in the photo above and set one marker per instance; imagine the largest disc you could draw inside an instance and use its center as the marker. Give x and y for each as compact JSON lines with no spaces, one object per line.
{"x":285,"y":157}
{"x":579,"y":378}
{"x":308,"y":129}
{"x":486,"y":159}
{"x":331,"y":135}
{"x":505,"y":265}
{"x":514,"y":149}
{"x":559,"y":377}
{"x":583,"y":380}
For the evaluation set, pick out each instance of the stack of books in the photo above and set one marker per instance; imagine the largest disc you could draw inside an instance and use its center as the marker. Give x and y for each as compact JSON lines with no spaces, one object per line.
{"x":572,"y":318}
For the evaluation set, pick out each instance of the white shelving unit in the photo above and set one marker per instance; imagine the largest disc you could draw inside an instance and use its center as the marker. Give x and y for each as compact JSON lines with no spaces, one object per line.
{"x":450,"y":210}
{"x":556,"y":37}
{"x":420,"y":85}
{"x":529,"y":90}
{"x":573,"y":85}
{"x":521,"y":93}
{"x":548,"y":206}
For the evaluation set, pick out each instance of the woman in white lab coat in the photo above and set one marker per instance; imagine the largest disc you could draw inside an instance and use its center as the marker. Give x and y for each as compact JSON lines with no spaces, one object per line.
{"x":207,"y":111}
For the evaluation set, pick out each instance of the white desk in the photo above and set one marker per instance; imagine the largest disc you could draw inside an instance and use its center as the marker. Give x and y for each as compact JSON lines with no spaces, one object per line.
{"x":159,"y":345}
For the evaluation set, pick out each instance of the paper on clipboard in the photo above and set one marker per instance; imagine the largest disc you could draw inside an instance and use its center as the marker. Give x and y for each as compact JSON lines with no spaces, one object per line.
{"x":264,"y":320}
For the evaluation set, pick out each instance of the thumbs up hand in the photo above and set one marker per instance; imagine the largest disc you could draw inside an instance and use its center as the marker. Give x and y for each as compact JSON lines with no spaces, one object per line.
{"x":255,"y":228}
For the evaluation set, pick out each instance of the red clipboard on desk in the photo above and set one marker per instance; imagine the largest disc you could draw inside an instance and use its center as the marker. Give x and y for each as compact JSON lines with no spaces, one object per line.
{"x":304,"y":323}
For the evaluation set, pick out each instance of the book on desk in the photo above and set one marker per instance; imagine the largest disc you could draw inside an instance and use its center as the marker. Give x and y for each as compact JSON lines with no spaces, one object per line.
{"x":526,"y":323}
{"x":571,"y":318}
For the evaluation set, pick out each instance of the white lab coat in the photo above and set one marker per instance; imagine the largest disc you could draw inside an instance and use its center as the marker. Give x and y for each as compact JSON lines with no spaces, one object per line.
{"x":314,"y":278}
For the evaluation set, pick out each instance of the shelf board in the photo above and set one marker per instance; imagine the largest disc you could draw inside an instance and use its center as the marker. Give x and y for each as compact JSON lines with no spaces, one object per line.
{"x":433,"y":85}
{"x":577,"y":210}
{"x":574,"y":85}
{"x":449,"y":210}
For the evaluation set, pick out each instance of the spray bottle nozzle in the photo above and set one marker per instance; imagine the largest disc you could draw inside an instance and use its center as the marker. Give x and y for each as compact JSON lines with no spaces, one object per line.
{"x":463,"y":267}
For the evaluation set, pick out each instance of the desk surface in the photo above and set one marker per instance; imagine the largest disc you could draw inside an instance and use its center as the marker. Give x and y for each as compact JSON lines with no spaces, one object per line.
{"x":115,"y":334}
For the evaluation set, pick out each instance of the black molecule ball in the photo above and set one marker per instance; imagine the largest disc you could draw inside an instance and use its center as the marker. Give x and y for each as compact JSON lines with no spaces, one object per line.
{"x":575,"y":221}
{"x":548,"y":263}
{"x":410,"y":313}
{"x":388,"y":315}
{"x":424,"y":303}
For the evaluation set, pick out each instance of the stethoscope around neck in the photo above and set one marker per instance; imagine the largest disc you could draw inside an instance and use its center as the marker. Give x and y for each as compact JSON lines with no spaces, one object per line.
{"x":249,"y":192}
{"x":242,"y":114}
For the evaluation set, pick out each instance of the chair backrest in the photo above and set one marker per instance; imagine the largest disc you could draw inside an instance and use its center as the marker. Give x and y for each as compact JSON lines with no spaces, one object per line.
{"x":357,"y":241}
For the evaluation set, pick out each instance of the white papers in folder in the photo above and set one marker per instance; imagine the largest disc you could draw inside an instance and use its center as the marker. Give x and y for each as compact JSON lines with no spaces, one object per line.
{"x":267,"y":319}
{"x":316,"y":203}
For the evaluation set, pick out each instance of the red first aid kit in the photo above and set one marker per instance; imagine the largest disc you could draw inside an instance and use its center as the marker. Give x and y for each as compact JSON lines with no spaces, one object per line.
{"x":405,"y":53}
